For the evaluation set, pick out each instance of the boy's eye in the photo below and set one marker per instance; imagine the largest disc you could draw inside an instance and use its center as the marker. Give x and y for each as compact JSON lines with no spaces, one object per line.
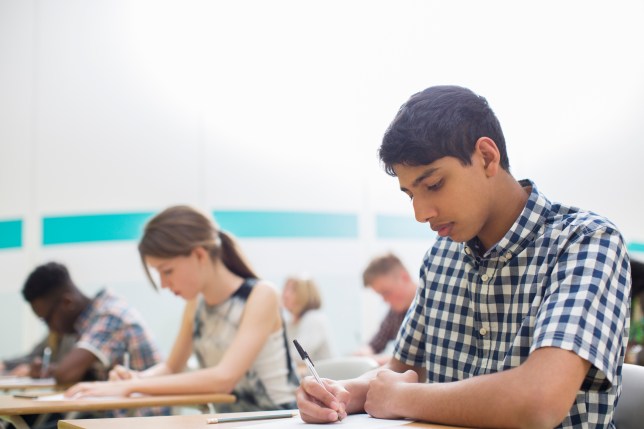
{"x":435,"y":186}
{"x":167,"y":272}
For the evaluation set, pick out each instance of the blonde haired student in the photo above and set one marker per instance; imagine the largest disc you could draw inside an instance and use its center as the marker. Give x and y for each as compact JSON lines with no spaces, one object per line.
{"x":231,"y":320}
{"x":308,"y":323}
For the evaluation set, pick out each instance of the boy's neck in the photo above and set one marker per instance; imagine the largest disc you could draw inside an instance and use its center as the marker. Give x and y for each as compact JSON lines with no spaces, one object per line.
{"x":512,"y":198}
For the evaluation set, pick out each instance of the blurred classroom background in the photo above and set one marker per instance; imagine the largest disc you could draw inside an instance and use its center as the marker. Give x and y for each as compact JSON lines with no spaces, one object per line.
{"x":268,"y":114}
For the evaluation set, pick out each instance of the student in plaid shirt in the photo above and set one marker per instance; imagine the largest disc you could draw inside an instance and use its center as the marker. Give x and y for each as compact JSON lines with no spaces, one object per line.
{"x":522,"y":316}
{"x":106,"y":326}
{"x":106,"y":329}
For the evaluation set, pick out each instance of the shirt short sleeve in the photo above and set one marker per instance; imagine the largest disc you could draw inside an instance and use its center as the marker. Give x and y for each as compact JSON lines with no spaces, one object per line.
{"x":586,"y":304}
{"x":105,"y":338}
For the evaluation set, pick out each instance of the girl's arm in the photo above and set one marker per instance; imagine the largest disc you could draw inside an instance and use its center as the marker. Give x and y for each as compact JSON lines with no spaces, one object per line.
{"x":260,"y":318}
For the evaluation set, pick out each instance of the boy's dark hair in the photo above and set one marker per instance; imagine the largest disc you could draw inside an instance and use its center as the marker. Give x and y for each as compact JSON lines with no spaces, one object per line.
{"x":45,"y":280}
{"x":438,"y":122}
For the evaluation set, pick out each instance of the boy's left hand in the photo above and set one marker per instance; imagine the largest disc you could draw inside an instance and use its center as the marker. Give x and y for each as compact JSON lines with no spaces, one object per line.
{"x":381,"y":396}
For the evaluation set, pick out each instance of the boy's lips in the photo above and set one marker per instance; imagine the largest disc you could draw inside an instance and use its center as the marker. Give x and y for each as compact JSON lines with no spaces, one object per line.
{"x":443,"y":230}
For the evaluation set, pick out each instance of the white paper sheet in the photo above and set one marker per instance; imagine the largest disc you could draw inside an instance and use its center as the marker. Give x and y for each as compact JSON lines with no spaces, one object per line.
{"x":62,"y":397}
{"x":24,"y":381}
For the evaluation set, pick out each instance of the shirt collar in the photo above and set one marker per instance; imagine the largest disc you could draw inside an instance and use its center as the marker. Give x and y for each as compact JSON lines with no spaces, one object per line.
{"x":527,"y":226}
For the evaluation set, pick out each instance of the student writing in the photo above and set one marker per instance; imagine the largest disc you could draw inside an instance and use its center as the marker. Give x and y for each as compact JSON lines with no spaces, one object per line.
{"x":231,"y":320}
{"x":522,"y":315}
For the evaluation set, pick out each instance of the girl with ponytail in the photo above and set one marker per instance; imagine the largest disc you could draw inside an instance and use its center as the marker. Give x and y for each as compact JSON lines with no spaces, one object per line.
{"x":231,"y":320}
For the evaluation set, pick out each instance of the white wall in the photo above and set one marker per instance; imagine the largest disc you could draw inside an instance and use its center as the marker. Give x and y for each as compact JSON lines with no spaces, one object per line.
{"x":128,"y":106}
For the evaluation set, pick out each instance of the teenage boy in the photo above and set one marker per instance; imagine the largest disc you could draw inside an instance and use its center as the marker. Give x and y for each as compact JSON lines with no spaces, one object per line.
{"x":108,"y":329}
{"x":522,"y":315}
{"x":107,"y":332}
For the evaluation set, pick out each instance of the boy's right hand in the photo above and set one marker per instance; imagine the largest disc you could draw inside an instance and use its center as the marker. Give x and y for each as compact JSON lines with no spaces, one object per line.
{"x":35,"y":368}
{"x":320,"y":405}
{"x":120,"y":372}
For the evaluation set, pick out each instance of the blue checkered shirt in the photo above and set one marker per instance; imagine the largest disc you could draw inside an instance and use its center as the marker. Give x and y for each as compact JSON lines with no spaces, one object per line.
{"x":560,"y":277}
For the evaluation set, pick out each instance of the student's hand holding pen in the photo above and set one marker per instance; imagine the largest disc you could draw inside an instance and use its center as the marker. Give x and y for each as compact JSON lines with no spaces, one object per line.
{"x":119,"y":372}
{"x":35,"y":368}
{"x":320,"y":400}
{"x":322,"y":404}
{"x":38,"y":370}
{"x":123,"y":372}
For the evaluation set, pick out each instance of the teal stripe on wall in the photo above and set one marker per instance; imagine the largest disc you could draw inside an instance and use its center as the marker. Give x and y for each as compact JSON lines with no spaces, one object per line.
{"x":392,"y":227}
{"x":90,"y":228}
{"x":249,"y":224}
{"x":10,"y":234}
{"x":262,"y":224}
{"x":635,"y":247}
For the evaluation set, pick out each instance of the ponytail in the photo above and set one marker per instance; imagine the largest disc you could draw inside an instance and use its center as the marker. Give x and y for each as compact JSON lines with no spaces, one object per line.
{"x":233,"y":258}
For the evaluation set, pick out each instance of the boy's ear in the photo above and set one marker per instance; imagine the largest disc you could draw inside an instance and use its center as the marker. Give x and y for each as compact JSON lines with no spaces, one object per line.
{"x":66,"y":300}
{"x":490,"y":154}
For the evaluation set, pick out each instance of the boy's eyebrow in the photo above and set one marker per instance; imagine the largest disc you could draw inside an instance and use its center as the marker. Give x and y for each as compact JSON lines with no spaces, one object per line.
{"x":424,"y":175}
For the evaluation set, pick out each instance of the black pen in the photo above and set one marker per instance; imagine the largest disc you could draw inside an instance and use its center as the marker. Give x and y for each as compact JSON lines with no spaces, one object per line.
{"x":309,"y":363}
{"x":25,"y":396}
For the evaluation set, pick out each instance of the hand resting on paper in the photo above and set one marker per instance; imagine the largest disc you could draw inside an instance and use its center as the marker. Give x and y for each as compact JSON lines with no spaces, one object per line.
{"x":383,"y":388}
{"x":97,"y":388}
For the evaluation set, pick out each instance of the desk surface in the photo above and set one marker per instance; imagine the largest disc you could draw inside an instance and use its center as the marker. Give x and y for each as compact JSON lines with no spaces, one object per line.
{"x":10,"y":405}
{"x":192,"y":421}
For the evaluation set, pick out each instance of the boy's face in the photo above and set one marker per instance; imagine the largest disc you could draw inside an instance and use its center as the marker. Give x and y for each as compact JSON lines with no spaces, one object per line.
{"x":54,"y":312}
{"x":393,"y":290}
{"x":454,"y":199}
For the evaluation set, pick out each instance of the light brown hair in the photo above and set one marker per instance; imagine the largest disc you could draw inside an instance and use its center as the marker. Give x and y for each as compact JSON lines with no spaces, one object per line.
{"x":380,"y":266}
{"x":178,"y":230}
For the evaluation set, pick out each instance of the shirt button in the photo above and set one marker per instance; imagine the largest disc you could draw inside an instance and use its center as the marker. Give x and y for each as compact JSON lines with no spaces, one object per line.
{"x":483,"y":331}
{"x":508,"y":256}
{"x":484,"y":277}
{"x":467,"y":250}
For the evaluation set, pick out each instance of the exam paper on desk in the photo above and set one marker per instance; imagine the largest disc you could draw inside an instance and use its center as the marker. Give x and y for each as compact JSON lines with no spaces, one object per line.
{"x":19,"y":381}
{"x":62,"y":397}
{"x":351,"y":421}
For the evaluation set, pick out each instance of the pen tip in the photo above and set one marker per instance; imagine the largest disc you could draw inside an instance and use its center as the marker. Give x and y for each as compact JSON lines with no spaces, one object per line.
{"x":300,"y":350}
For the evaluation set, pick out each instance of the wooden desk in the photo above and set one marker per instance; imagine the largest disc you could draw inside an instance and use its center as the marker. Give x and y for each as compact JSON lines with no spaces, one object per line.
{"x":12,"y":408}
{"x":193,"y":421}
